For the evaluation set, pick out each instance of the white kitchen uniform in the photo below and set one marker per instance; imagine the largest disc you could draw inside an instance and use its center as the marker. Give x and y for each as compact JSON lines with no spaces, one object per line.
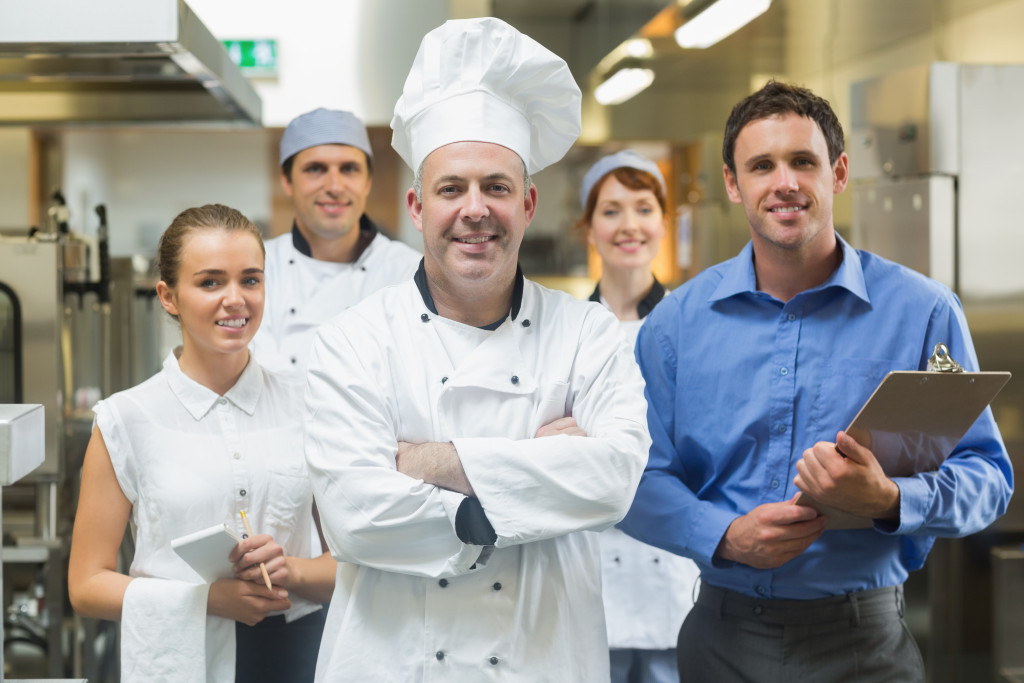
{"x":187,"y":459}
{"x":303,"y":293}
{"x":412,"y":602}
{"x":647,"y":591}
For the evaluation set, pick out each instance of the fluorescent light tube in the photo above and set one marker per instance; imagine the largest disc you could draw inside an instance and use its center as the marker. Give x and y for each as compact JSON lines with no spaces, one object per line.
{"x":622,"y":85}
{"x":718,"y":20}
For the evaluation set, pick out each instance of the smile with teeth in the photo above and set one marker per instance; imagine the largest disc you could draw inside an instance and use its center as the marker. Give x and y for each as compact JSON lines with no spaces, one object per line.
{"x":236,"y":322}
{"x":786,"y":209}
{"x":477,"y":239}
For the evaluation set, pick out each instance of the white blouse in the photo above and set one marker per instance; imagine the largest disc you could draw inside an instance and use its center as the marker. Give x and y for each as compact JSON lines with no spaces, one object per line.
{"x":187,"y":459}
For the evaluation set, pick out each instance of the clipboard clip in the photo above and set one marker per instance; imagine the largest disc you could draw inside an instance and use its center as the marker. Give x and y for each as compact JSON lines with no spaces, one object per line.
{"x":941,"y":361}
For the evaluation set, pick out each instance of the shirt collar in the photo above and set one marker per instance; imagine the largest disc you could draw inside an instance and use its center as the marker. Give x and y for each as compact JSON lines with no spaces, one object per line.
{"x":368,"y":232}
{"x":198,"y":400}
{"x":738,"y":274}
{"x":645,"y":305}
{"x":517,"y":294}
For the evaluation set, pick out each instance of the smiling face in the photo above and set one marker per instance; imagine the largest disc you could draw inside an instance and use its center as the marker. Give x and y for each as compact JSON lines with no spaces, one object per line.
{"x":218,"y":297}
{"x":786,"y":184}
{"x":473,"y":213}
{"x":329,"y":186}
{"x":626,"y":227}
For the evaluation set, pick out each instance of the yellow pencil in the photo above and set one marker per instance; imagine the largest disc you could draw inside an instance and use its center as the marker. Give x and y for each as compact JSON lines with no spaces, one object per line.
{"x":263,"y":567}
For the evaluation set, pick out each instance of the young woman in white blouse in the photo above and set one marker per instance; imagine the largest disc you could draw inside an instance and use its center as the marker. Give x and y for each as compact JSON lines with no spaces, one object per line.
{"x":210,"y":436}
{"x":647,"y":592}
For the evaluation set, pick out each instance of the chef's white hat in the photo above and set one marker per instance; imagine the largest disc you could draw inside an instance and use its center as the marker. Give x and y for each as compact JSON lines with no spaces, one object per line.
{"x":482,"y":80}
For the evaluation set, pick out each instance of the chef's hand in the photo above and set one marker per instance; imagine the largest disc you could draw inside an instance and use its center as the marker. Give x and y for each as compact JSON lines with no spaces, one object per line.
{"x":244,"y":601}
{"x":563,"y":425}
{"x":855,"y":484}
{"x":247,"y":555}
{"x":771,"y":535}
{"x":436,"y":463}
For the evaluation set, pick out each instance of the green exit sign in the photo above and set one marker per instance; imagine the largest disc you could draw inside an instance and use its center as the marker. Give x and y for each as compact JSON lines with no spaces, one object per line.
{"x":254,"y":57}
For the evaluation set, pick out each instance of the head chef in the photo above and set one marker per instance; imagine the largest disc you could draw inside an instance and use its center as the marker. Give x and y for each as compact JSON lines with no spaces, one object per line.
{"x":484,"y":106}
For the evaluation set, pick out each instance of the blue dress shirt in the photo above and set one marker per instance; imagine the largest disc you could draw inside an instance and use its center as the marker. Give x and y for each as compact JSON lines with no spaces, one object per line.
{"x":739,"y":384}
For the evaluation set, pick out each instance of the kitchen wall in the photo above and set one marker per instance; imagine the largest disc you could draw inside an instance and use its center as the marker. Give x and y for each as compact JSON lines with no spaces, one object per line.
{"x":15,"y":144}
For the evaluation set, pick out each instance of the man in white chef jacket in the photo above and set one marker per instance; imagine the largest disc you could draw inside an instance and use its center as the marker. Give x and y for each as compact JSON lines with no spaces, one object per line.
{"x":465,"y":427}
{"x":334,"y":255}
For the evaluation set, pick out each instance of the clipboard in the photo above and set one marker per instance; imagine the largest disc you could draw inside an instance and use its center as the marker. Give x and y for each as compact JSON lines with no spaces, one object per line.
{"x":207,"y":551}
{"x":914,"y":419}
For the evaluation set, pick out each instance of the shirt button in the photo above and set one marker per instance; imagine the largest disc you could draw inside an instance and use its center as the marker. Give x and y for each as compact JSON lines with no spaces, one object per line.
{"x":293,"y":311}
{"x":657,"y":560}
{"x":783,"y":371}
{"x":515,"y":379}
{"x":496,"y":586}
{"x":222,"y":400}
{"x":493,"y":661}
{"x":760,"y":590}
{"x":781,"y":429}
{"x":439,"y":655}
{"x":294,"y":361}
{"x":242,"y":492}
{"x":774,"y":485}
{"x":443,"y":380}
{"x":237,"y":456}
{"x":424,"y":317}
{"x":443,"y":583}
{"x":526,"y":323}
{"x":758,"y":609}
{"x":790,"y":317}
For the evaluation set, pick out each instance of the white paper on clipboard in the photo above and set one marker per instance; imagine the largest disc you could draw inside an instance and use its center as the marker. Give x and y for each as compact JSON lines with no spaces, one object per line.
{"x":207,"y":551}
{"x":913,"y":421}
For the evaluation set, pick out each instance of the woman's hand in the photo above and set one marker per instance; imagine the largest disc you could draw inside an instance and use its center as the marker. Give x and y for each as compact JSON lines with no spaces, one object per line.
{"x":248,"y":554}
{"x":245,"y":601}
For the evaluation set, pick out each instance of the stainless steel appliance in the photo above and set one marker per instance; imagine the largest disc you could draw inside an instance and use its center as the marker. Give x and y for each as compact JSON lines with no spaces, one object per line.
{"x":68,"y":318}
{"x":936,"y":158}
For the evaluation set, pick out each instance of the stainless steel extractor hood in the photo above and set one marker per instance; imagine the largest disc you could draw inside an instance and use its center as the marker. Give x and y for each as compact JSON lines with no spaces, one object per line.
{"x":116,"y":61}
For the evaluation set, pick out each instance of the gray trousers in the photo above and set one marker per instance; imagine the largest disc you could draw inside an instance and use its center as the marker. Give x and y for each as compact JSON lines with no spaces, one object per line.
{"x":729,"y":637}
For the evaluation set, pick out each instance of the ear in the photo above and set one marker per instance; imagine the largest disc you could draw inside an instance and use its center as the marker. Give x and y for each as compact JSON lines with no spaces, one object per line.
{"x":286,"y":184}
{"x":530,"y":203}
{"x":415,"y":209}
{"x":167,"y":298}
{"x":841,"y":173}
{"x":731,"y":187}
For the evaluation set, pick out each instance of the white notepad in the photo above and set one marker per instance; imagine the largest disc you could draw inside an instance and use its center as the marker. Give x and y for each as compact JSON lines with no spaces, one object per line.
{"x":207,"y":551}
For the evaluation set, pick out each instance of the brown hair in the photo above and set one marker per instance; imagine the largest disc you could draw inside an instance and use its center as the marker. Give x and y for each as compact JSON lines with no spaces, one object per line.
{"x":775,"y":99}
{"x":207,"y":217}
{"x":631,"y":178}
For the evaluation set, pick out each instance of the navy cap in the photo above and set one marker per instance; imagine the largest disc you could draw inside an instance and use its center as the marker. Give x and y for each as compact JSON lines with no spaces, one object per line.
{"x":623,"y":159}
{"x":324,"y":127}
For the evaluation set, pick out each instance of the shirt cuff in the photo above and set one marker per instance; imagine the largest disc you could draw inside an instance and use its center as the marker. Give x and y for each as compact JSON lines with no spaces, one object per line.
{"x":910,"y":519}
{"x":471,"y":523}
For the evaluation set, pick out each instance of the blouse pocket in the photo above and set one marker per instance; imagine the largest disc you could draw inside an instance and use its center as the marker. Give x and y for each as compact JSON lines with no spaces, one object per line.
{"x":291,"y":494}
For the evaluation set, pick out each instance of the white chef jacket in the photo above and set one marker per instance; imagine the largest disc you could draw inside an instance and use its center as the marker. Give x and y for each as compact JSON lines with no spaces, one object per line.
{"x":414,"y":603}
{"x":187,"y":459}
{"x":302,"y":293}
{"x":647,"y":591}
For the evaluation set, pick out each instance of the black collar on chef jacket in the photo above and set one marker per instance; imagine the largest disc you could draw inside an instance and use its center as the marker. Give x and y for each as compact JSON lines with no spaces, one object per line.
{"x":367,"y":232}
{"x":646,"y":305}
{"x":428,"y":300}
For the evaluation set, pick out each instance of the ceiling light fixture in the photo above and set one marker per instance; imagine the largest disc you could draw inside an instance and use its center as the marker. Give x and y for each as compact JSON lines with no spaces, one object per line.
{"x":719,"y":20}
{"x":622,"y":85}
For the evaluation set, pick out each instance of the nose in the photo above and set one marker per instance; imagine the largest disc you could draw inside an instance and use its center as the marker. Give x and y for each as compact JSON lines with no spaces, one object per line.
{"x":233,"y":295}
{"x":333,"y":181}
{"x":475,"y":207}
{"x":785,"y":180}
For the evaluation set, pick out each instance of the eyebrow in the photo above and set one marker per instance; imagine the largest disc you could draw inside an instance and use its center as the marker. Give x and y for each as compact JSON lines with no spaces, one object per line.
{"x":218,"y":271}
{"x":795,"y":153}
{"x":453,"y":178}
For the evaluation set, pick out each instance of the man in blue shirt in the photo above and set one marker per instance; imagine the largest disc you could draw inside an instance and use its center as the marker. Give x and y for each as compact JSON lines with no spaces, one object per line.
{"x":751,"y":369}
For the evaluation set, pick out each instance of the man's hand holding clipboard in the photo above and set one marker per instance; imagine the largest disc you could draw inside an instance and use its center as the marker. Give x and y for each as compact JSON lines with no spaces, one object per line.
{"x":910,"y":424}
